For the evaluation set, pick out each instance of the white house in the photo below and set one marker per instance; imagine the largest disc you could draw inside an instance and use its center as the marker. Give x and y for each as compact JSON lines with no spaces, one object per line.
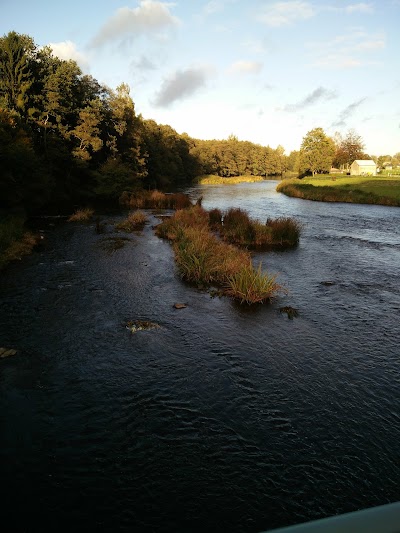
{"x":363,"y":167}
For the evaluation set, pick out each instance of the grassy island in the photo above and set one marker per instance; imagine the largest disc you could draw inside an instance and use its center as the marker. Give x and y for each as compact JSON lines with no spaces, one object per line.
{"x":381,"y":190}
{"x":205,"y":255}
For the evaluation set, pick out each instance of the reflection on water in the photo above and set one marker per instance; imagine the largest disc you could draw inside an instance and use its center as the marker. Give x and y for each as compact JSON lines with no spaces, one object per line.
{"x":225,"y":417}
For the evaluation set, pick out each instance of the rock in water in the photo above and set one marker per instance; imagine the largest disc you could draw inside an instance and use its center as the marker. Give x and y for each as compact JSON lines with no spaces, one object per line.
{"x":141,"y":325}
{"x":6,"y":352}
{"x":180,"y":306}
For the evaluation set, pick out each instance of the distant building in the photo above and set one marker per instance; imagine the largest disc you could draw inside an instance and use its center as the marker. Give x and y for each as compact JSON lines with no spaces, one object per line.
{"x":363,"y":167}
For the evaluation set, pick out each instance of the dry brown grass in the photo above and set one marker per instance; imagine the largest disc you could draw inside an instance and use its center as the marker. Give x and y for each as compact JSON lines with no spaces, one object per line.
{"x":81,"y":215}
{"x":134,"y":221}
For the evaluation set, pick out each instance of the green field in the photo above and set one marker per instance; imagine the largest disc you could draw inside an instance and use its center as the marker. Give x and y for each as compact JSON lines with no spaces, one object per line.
{"x":383,"y":190}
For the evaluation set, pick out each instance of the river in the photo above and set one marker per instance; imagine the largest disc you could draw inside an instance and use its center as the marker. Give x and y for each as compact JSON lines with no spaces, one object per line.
{"x":226,"y":418}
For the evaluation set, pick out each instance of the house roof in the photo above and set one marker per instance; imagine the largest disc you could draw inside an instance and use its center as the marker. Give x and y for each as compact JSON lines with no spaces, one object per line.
{"x":365,"y":162}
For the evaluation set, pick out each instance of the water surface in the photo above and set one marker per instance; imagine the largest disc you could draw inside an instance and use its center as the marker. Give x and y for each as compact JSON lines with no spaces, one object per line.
{"x":225,"y":418}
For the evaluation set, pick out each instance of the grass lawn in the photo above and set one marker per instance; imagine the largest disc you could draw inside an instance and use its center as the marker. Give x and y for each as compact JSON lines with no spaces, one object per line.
{"x":384,"y":190}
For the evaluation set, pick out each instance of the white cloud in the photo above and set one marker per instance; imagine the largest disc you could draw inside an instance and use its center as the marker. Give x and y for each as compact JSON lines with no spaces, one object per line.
{"x":376,"y":44}
{"x":215,"y":6}
{"x":285,"y":13}
{"x":349,"y":50}
{"x":67,"y":50}
{"x":149,"y":17}
{"x":182,"y":84}
{"x":359,"y":8}
{"x":245,"y":67}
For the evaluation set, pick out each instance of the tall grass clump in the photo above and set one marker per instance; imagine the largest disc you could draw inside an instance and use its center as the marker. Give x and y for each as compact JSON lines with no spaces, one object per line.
{"x":134,"y":221}
{"x":155,"y":200}
{"x":81,"y":215}
{"x":194,"y":216}
{"x":284,"y":230}
{"x":239,"y":229}
{"x":250,"y":285}
{"x":215,"y":218}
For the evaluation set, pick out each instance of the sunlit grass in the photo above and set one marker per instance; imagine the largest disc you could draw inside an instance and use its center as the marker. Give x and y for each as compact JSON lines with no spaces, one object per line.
{"x":250,"y":285}
{"x":382,"y":190}
{"x":204,"y":259}
{"x":211,"y":179}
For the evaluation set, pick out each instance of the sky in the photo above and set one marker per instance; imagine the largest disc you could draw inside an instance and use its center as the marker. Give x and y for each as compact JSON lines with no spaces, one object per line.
{"x":264,"y":71}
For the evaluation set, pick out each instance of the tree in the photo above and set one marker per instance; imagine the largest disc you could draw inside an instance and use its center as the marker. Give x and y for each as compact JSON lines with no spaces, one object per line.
{"x":16,"y":52}
{"x":87,"y":131}
{"x":348,"y":149}
{"x":316,"y":152}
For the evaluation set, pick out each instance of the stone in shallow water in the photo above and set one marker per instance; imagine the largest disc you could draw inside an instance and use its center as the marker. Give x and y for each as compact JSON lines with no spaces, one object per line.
{"x":141,"y":325}
{"x":290,"y":311}
{"x":6,"y":352}
{"x":180,"y":306}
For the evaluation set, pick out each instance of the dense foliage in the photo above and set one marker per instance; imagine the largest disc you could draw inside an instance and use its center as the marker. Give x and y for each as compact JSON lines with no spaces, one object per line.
{"x":65,"y":139}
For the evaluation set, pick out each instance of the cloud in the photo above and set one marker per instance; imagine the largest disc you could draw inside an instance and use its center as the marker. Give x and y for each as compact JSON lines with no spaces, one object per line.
{"x":359,"y":8}
{"x":375,"y":44}
{"x":143,"y":64}
{"x":347,"y":113}
{"x":216,"y":6}
{"x":67,"y":50}
{"x":245,"y":67}
{"x":149,"y":17}
{"x":285,"y":13}
{"x":181,"y":85}
{"x":317,"y":95}
{"x":349,"y":50}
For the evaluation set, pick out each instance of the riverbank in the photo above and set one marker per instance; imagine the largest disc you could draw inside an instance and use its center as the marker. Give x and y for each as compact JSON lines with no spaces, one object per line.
{"x":15,"y":240}
{"x":211,"y":179}
{"x":376,"y":190}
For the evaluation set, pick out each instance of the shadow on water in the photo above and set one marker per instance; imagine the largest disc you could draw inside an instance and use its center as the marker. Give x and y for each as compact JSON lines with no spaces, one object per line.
{"x":225,"y":417}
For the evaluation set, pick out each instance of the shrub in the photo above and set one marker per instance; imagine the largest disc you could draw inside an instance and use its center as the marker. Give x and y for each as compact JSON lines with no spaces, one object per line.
{"x":81,"y":215}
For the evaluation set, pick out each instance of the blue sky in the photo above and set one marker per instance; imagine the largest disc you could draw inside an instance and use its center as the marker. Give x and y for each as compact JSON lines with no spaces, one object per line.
{"x":262,"y":70}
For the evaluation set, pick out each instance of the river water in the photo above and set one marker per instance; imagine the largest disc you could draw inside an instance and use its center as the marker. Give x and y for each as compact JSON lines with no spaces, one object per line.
{"x":226,"y":418}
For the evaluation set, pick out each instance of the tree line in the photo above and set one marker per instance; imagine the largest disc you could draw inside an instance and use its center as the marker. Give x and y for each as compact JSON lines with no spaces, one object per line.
{"x":66,"y":139}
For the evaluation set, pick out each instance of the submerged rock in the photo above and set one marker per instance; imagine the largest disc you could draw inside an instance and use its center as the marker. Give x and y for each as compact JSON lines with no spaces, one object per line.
{"x":6,"y":352}
{"x":141,"y":325}
{"x":290,"y":311}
